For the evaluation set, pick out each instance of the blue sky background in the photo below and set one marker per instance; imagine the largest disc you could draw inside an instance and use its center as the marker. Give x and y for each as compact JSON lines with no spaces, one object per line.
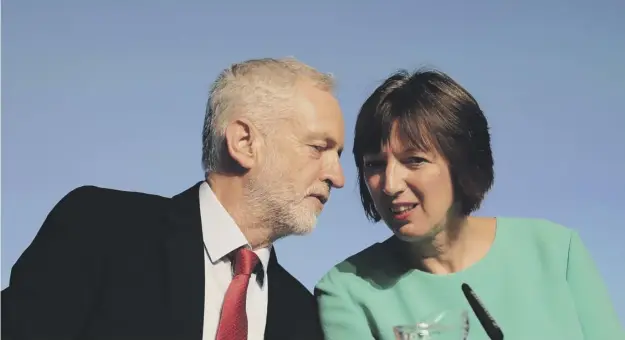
{"x":112,"y":93}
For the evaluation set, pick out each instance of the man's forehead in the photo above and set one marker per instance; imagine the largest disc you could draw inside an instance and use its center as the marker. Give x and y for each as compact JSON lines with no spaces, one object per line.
{"x":321,"y":115}
{"x":318,"y":102}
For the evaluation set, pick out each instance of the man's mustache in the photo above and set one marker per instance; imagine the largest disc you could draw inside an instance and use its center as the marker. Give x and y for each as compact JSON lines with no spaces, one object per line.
{"x":321,"y":192}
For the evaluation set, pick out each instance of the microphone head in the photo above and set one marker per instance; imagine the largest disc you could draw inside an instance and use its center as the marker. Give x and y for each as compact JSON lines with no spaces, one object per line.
{"x":483,"y":316}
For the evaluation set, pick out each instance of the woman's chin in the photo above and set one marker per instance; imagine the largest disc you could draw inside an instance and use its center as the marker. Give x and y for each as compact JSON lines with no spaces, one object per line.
{"x":409,"y":232}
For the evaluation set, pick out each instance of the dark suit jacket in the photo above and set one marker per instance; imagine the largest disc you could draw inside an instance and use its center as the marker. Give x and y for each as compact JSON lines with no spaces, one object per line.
{"x":109,"y":264}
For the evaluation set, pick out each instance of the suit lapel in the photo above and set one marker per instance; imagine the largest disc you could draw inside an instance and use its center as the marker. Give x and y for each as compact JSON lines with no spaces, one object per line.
{"x":289,"y":314}
{"x":276,"y":328}
{"x":185,"y":262}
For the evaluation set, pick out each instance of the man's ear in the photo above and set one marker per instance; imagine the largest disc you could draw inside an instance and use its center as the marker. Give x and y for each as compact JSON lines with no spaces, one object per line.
{"x":241,"y":141}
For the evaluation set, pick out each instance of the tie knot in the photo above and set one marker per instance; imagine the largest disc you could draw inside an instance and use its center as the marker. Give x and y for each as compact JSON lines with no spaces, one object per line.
{"x":245,"y":262}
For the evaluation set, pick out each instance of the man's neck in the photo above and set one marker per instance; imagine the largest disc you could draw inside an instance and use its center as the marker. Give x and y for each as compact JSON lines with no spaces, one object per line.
{"x":230,"y":192}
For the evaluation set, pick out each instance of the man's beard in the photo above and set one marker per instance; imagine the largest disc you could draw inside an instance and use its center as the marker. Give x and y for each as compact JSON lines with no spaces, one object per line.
{"x":275,"y":203}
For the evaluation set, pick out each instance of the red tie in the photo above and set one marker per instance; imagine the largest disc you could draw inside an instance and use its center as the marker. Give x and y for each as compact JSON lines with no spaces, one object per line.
{"x":233,"y":322}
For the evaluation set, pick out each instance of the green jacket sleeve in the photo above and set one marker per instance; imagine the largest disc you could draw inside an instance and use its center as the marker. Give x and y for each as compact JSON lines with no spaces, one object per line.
{"x":594,"y":308}
{"x":341,"y":319}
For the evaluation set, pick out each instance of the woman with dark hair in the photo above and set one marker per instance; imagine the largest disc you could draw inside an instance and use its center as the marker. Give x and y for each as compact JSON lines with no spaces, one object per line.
{"x":423,"y":154}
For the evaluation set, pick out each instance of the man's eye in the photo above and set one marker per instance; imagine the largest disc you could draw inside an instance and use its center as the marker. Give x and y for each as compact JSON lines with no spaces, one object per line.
{"x":318,"y":147}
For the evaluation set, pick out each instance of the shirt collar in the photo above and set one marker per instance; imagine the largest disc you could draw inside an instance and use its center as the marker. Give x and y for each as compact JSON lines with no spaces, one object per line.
{"x":220,"y":233}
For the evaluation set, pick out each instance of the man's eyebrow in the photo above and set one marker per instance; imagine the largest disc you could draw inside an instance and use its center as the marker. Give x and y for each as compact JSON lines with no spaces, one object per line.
{"x":331,"y":142}
{"x":324,"y":137}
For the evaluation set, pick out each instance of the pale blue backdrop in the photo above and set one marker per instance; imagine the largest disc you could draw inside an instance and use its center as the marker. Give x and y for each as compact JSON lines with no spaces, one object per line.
{"x":112,"y":93}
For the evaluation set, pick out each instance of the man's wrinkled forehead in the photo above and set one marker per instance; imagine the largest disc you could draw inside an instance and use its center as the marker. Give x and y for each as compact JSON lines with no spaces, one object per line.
{"x":320,"y":113}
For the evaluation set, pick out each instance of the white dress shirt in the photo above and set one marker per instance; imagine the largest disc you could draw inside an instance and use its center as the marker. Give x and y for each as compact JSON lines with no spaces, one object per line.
{"x":222,"y":236}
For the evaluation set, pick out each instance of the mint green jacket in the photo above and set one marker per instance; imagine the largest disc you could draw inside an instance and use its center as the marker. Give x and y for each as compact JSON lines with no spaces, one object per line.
{"x":538,"y":281}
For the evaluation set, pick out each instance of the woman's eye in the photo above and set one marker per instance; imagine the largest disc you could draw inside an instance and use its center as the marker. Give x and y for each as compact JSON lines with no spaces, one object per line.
{"x":415,"y":161}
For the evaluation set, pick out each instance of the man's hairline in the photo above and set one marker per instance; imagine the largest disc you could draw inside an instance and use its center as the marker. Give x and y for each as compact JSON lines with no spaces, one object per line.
{"x":301,"y":82}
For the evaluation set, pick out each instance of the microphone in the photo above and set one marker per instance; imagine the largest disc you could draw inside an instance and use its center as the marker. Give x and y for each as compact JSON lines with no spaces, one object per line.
{"x":486,"y":320}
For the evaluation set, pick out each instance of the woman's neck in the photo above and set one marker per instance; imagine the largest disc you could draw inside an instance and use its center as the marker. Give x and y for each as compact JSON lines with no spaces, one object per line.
{"x":458,"y":245}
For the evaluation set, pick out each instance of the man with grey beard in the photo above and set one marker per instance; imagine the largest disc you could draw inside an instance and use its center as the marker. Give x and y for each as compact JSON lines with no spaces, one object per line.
{"x":109,"y":264}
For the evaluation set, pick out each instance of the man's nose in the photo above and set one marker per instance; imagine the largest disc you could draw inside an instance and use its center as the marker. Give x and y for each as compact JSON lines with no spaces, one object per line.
{"x":334,"y":174}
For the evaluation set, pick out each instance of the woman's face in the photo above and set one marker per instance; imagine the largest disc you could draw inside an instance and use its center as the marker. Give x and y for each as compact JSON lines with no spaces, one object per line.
{"x":411,"y":190}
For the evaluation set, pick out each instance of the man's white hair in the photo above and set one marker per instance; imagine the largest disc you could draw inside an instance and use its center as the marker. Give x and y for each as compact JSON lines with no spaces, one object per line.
{"x":260,"y":90}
